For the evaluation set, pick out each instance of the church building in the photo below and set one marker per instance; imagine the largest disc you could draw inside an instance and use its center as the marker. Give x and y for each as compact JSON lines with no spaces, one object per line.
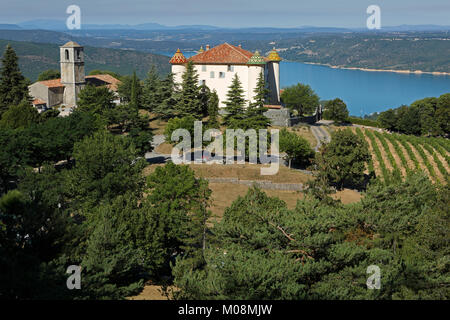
{"x":64,"y":92}
{"x":217,"y":66}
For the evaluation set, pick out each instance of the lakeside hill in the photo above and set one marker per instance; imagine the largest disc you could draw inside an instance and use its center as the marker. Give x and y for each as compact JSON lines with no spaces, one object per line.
{"x":426,"y":51}
{"x":37,"y":57}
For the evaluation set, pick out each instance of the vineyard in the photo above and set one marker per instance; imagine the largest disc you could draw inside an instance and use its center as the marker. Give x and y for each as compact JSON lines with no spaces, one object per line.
{"x":396,"y":155}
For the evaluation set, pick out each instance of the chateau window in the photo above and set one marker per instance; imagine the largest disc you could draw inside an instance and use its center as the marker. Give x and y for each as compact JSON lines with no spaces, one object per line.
{"x":230,"y":68}
{"x":202,"y":82}
{"x":67,"y":54}
{"x":221,"y":74}
{"x":78,"y":54}
{"x":211,"y":74}
{"x":204,"y":68}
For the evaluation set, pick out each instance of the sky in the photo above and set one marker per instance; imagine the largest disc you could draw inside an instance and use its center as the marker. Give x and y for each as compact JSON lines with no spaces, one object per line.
{"x":232,"y":13}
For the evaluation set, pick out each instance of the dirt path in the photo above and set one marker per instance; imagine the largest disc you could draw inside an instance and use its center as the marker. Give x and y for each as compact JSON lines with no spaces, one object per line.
{"x":321,"y":135}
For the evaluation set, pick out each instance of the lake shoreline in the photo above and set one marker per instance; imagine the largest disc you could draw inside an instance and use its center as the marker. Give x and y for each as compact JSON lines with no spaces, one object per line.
{"x":434,"y":73}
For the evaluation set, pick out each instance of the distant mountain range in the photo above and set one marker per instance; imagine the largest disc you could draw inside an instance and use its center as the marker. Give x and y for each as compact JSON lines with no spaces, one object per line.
{"x":60,"y":25}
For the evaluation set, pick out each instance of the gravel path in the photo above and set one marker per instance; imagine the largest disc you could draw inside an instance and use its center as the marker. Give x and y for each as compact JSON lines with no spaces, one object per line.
{"x":321,"y":135}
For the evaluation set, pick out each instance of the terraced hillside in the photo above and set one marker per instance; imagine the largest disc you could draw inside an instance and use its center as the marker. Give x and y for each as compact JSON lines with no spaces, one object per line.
{"x":400,"y":154}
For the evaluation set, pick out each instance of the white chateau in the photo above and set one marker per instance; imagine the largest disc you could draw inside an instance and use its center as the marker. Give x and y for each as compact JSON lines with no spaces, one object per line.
{"x":64,"y":92}
{"x":217,"y":66}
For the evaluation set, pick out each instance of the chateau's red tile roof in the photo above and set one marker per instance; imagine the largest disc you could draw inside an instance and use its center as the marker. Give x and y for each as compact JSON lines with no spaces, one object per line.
{"x":54,"y":83}
{"x":223,"y":54}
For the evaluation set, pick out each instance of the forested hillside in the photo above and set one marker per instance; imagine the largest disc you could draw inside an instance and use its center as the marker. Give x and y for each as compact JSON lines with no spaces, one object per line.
{"x":37,"y":57}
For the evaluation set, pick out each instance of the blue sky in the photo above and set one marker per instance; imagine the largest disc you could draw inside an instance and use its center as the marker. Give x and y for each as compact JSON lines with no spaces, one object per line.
{"x":232,"y":13}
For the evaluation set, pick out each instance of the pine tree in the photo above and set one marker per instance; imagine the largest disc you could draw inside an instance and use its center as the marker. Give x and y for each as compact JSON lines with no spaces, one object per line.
{"x":213,"y":110}
{"x":188,"y":101}
{"x":235,"y":103}
{"x":13,"y":86}
{"x":150,"y":89}
{"x":165,"y":98}
{"x":203,"y":98}
{"x":135,"y":91}
{"x":254,"y":114}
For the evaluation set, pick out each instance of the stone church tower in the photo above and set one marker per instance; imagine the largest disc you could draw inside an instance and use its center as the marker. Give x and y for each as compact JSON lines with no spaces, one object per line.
{"x":72,"y":72}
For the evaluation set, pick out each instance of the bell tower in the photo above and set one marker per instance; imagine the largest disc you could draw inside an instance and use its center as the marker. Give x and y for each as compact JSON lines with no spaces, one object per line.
{"x":72,"y":72}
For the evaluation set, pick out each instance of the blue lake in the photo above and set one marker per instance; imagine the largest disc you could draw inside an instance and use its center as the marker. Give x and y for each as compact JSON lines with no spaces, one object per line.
{"x":364,"y":92}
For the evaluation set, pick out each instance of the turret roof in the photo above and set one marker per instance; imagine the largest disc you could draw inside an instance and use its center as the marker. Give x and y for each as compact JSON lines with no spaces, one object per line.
{"x":273,"y":56}
{"x":256,"y":59}
{"x":178,"y":58}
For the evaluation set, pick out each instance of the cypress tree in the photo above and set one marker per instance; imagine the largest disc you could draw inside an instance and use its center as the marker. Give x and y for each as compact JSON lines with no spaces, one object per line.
{"x":235,"y":102}
{"x":188,"y":102}
{"x":255,"y":112}
{"x":213,"y":110}
{"x":134,"y":101}
{"x":13,"y":86}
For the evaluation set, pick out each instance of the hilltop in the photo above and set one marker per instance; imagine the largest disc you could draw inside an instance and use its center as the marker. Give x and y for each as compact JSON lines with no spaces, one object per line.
{"x":37,"y":57}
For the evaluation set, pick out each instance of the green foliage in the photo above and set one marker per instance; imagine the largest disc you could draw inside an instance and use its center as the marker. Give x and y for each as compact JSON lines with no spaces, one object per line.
{"x":150,"y":99}
{"x":13,"y":86}
{"x":396,"y":171}
{"x":165,"y":98}
{"x":20,"y":116}
{"x":297,"y":149}
{"x":254,"y":115}
{"x":186,"y":122}
{"x":130,"y":90}
{"x":178,"y":201}
{"x":213,"y":110}
{"x":345,"y":157}
{"x":363,"y":122}
{"x":428,"y":117}
{"x":385,"y":172}
{"x":234,"y":105}
{"x":97,"y":100}
{"x":370,"y":163}
{"x":49,"y":75}
{"x":336,"y":110}
{"x":106,"y":166}
{"x":189,"y":95}
{"x":262,"y":250}
{"x":300,"y":98}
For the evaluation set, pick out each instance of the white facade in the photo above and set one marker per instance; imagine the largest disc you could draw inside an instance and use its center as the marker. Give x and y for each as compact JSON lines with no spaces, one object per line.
{"x":218,"y":75}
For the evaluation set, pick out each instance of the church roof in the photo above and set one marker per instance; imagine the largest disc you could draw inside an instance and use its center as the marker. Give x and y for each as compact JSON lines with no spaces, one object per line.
{"x":256,"y":59}
{"x":224,"y":53}
{"x":178,"y":58}
{"x":273,"y":55}
{"x":54,"y":83}
{"x":112,"y":83}
{"x":71,"y":44}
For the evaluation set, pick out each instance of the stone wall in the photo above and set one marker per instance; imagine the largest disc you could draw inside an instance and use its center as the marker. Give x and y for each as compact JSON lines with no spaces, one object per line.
{"x":263,"y":184}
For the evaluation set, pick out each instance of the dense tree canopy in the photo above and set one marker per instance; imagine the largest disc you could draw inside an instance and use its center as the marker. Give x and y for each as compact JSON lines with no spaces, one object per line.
{"x":13,"y":85}
{"x":300,"y":98}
